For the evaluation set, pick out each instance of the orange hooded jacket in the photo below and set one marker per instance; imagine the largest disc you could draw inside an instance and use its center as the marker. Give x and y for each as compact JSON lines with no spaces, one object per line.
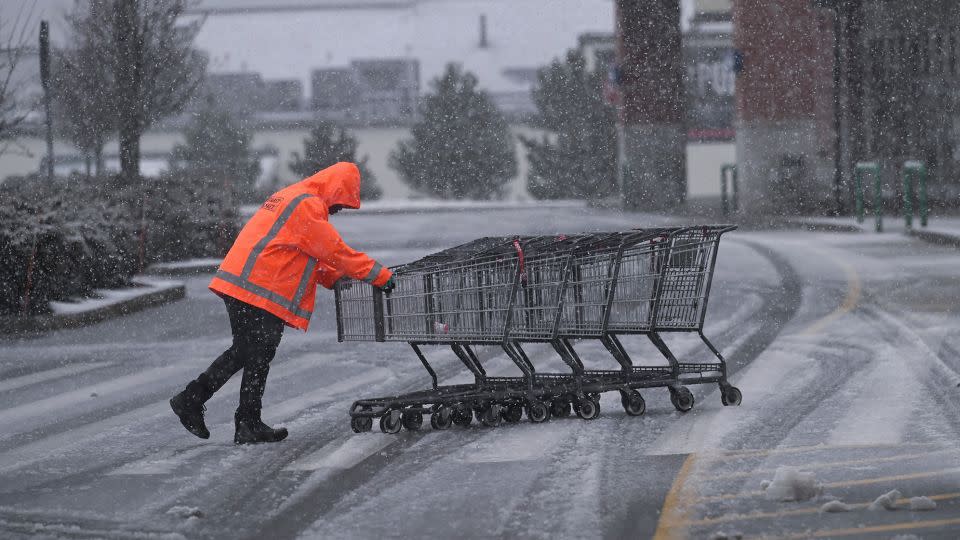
{"x":288,"y":246}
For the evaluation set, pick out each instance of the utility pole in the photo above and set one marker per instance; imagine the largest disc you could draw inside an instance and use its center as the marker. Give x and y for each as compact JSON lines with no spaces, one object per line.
{"x":45,"y":82}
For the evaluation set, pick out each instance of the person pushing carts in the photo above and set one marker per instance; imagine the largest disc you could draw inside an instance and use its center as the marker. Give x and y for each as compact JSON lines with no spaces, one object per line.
{"x":268,"y":281}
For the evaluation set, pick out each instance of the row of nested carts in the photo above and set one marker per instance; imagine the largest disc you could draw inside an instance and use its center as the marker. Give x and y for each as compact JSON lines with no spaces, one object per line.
{"x":556,"y":290}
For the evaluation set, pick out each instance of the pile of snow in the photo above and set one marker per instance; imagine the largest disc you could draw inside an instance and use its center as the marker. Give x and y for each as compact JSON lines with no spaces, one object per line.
{"x":791,"y":484}
{"x":185,"y":512}
{"x":720,"y":535}
{"x":886,"y":501}
{"x":922,"y":504}
{"x":836,"y":506}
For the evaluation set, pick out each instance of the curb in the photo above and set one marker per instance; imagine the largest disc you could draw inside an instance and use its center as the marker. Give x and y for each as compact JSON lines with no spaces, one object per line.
{"x":942,"y":239}
{"x":182,"y":270}
{"x":824,"y":226}
{"x":17,"y":326}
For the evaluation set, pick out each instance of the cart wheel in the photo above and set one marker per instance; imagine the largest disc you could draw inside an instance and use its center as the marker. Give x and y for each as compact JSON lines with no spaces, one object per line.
{"x":560,"y":408}
{"x":360,"y":424}
{"x":412,"y":419}
{"x":537,"y":411}
{"x":513,"y":413}
{"x":462,"y":415}
{"x":491,"y":416}
{"x":588,"y":409}
{"x":442,"y":418}
{"x":633,"y":403}
{"x":730,"y":395}
{"x":682,"y":399}
{"x":390,"y":422}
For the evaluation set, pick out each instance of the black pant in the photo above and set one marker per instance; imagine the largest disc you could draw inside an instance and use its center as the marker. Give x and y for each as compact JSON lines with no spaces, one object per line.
{"x":256,"y":335}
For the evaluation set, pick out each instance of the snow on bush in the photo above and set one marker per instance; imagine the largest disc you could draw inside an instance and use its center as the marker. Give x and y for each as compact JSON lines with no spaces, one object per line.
{"x":66,"y":238}
{"x":791,"y":484}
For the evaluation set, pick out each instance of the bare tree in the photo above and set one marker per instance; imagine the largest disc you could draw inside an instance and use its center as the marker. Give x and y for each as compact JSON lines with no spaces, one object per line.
{"x":83,"y":85}
{"x":156,"y":69}
{"x":148,"y":65}
{"x":14,"y":36}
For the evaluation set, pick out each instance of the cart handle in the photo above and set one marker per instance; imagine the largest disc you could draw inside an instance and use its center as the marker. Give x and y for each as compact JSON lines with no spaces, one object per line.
{"x":523,"y":266}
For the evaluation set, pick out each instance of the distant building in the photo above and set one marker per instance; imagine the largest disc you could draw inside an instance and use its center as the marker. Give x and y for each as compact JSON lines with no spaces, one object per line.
{"x":709,"y":77}
{"x":248,"y":93}
{"x":368,"y":92}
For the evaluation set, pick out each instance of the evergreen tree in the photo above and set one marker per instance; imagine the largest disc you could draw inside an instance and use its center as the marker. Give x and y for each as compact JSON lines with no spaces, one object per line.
{"x":578,"y":158}
{"x":329,"y":144}
{"x":217,"y":149}
{"x":461,"y":147}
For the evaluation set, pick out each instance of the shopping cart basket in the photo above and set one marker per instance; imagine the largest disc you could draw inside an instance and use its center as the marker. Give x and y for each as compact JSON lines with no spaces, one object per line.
{"x":548,"y":289}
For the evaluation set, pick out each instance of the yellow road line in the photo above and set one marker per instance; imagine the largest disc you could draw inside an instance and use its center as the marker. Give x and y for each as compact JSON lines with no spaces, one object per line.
{"x":834,"y":464}
{"x":729,"y":518}
{"x":674,"y":505}
{"x":911,"y":476}
{"x":854,"y":531}
{"x":850,"y":301}
{"x":843,"y":483}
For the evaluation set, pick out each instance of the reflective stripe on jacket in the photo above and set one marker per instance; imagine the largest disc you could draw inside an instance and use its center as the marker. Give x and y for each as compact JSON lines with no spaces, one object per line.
{"x":288,"y":246}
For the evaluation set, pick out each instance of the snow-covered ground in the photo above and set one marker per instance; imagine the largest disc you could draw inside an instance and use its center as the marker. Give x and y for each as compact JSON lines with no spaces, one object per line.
{"x":844,"y":345}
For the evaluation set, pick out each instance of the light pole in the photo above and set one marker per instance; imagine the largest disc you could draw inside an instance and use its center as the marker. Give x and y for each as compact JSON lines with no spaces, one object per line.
{"x":45,"y":82}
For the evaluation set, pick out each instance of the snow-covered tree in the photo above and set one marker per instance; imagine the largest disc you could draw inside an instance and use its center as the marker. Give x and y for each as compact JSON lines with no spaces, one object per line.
{"x":461,"y":147}
{"x":217,"y":149}
{"x":578,"y":158}
{"x":329,"y":144}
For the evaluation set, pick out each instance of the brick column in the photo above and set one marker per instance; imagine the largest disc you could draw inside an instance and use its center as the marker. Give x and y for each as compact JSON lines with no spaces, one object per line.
{"x":652,"y":145}
{"x":784,"y":105}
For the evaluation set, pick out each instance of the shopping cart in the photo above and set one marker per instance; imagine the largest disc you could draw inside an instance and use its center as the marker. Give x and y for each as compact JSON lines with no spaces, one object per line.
{"x":508,"y":291}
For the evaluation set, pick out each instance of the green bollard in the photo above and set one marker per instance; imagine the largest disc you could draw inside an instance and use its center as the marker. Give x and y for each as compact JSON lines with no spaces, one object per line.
{"x":859,"y":170}
{"x":911,"y":169}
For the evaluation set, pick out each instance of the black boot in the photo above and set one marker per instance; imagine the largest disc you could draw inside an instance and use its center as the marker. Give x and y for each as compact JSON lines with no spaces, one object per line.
{"x":189,"y":407}
{"x":250,"y":429}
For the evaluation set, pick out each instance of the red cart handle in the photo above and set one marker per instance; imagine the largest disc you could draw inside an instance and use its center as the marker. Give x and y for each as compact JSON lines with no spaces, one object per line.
{"x":523,"y":266}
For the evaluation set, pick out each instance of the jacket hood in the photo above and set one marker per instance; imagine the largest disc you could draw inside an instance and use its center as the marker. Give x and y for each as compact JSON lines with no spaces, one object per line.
{"x":337,"y":184}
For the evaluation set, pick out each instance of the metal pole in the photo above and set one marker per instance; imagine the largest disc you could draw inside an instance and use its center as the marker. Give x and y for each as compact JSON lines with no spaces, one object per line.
{"x":837,"y":111}
{"x":735,"y":185}
{"x":45,"y":83}
{"x":723,"y":190}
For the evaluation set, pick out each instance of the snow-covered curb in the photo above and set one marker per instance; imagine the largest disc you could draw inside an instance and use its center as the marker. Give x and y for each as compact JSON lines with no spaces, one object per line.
{"x":940,"y":237}
{"x":187,"y":267}
{"x":824,"y":224}
{"x":146,"y":292}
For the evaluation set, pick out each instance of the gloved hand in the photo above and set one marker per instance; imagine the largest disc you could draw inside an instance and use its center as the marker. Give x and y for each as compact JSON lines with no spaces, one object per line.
{"x":388,"y":287}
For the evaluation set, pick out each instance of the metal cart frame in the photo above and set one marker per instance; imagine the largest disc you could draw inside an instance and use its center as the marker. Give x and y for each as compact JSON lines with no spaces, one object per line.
{"x":508,"y":291}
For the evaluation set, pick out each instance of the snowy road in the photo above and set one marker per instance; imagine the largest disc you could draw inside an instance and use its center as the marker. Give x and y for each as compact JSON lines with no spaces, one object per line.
{"x":844,"y":346}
